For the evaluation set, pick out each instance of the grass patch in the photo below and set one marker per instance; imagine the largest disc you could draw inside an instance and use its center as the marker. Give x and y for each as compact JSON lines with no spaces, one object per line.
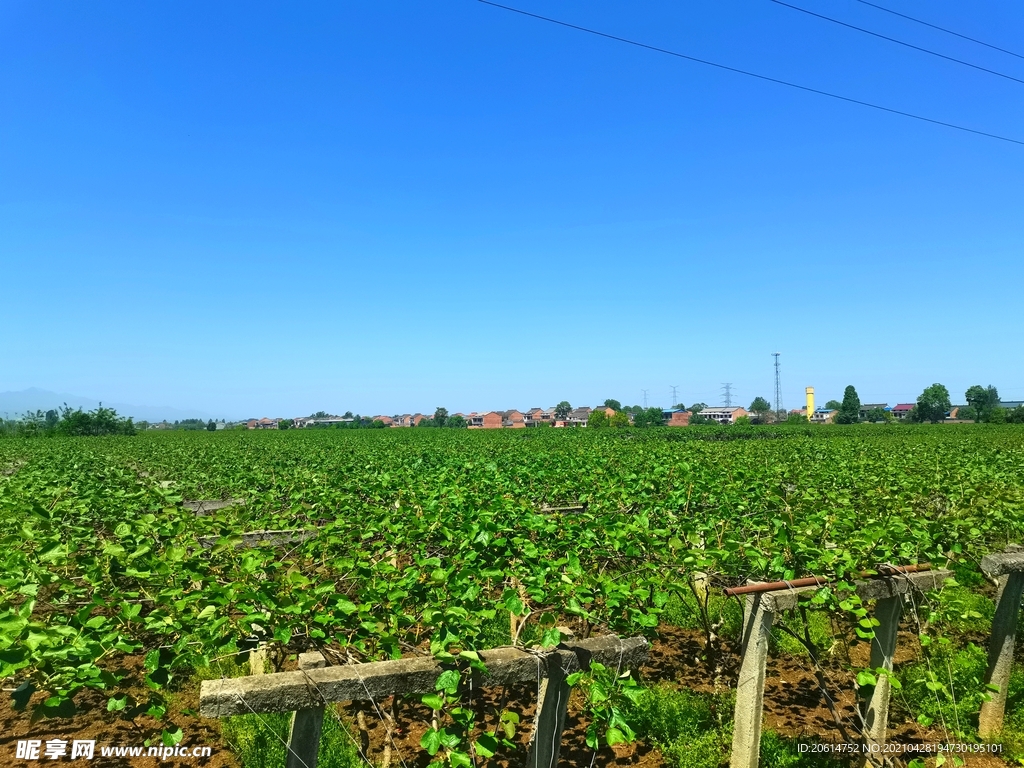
{"x":946,"y":689}
{"x":962,"y":609}
{"x":692,"y":730}
{"x":780,"y":752}
{"x":819,"y":627}
{"x":259,"y":741}
{"x":1012,"y":737}
{"x":682,"y":611}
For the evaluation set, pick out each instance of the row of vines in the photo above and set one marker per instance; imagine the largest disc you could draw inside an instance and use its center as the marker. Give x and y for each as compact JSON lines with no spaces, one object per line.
{"x":431,"y":539}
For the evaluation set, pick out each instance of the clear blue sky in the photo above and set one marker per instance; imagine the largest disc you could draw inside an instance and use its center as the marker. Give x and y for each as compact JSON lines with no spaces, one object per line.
{"x":267,"y":209}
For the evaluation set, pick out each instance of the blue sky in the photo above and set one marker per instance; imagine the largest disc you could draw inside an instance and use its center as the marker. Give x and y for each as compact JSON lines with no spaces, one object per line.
{"x":254,"y":209}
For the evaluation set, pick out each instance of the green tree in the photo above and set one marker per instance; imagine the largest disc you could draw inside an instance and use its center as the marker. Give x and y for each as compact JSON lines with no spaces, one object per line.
{"x":440,"y":417}
{"x":562,"y":410}
{"x":760,"y":408}
{"x":615,"y":405}
{"x":849,"y":409}
{"x":1016,"y":416}
{"x":597,"y":418}
{"x":211,"y":426}
{"x":619,"y":419}
{"x":983,"y":400}
{"x":996,"y":416}
{"x":285,"y":424}
{"x":456,"y":422}
{"x":833,"y":405}
{"x":932,"y":404}
{"x":102,"y":421}
{"x":878,"y":414}
{"x":650,"y":417}
{"x":678,"y":407}
{"x":698,"y":407}
{"x":742,"y":421}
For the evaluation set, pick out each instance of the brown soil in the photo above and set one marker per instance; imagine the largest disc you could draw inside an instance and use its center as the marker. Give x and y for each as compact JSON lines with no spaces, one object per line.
{"x":93,"y":721}
{"x":795,"y":707}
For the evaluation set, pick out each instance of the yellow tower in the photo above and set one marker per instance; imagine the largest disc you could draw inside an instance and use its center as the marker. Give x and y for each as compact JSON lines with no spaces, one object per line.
{"x":810,"y":402}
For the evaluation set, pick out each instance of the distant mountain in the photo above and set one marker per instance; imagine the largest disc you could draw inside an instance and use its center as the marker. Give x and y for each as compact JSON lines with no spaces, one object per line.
{"x":13,"y":404}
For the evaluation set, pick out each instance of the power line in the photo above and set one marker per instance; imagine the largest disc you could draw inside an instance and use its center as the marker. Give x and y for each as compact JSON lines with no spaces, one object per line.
{"x":674,"y":388}
{"x":645,"y":396}
{"x":898,"y":42}
{"x":941,"y":29}
{"x":727,"y":393}
{"x":752,"y":74}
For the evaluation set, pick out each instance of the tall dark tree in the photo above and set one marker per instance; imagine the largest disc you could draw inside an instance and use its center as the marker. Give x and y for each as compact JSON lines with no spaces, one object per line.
{"x":849,"y":409}
{"x":833,"y":405}
{"x":615,"y":405}
{"x":440,"y":417}
{"x":698,"y":407}
{"x":760,"y":408}
{"x":932,"y":404}
{"x":562,"y":410}
{"x":983,"y":400}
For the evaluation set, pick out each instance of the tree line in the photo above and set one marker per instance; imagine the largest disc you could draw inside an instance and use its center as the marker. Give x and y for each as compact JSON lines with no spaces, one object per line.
{"x":70,"y":422}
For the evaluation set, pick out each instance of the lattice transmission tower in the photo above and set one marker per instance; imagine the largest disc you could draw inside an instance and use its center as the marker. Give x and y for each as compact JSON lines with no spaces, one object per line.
{"x":778,"y":384}
{"x":727,"y":394}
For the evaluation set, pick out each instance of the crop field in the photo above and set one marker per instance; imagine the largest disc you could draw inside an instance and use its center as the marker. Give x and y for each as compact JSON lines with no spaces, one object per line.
{"x":119,"y":592}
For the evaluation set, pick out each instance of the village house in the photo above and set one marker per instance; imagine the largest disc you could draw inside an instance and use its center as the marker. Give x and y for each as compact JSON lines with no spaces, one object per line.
{"x":263,"y":423}
{"x":489,"y":420}
{"x":725,"y":414}
{"x":513,"y":419}
{"x":902,"y":410}
{"x":824,"y":416}
{"x":536,"y":416}
{"x":676,"y":418}
{"x":865,"y":408}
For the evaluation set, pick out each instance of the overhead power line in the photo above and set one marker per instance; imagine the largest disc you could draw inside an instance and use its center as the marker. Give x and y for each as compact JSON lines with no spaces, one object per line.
{"x":941,"y":29}
{"x":752,"y":74}
{"x":898,"y":42}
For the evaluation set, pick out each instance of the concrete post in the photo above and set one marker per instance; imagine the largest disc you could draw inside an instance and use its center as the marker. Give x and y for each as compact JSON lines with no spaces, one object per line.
{"x":883,"y":648}
{"x":258,"y":660}
{"x":1000,"y":654}
{"x":304,"y":735}
{"x":757,"y":627}
{"x":552,"y":708}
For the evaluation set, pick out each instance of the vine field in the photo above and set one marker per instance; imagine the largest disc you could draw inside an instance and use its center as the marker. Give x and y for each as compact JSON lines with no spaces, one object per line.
{"x":444,"y":542}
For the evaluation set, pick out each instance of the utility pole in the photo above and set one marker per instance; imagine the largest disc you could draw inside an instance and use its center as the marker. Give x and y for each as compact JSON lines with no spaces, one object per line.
{"x":645,"y":396}
{"x":727,"y":393}
{"x":778,"y":387}
{"x":674,"y":388}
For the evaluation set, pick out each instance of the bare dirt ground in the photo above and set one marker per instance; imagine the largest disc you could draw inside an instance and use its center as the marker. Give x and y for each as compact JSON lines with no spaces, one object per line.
{"x":794,"y":707}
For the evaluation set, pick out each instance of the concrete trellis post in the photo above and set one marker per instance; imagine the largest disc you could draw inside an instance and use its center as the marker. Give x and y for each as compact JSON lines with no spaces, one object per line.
{"x":1009,"y":567}
{"x":758,"y":618}
{"x":883,"y":648}
{"x":304,"y":734}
